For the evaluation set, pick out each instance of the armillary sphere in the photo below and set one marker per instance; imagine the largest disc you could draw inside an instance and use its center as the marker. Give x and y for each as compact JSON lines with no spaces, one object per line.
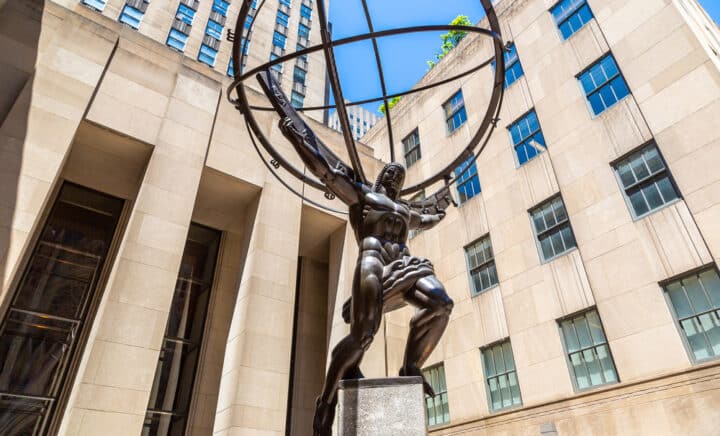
{"x":276,"y":161}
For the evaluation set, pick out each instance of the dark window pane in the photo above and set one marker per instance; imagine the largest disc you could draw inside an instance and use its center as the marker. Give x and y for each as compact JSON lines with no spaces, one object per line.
{"x":638,"y":202}
{"x":175,"y":366}
{"x":667,"y":189}
{"x":163,"y":425}
{"x":188,"y":310}
{"x":21,"y":416}
{"x":652,"y":195}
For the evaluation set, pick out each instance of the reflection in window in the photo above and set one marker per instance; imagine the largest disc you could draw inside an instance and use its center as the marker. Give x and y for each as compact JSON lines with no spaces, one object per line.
{"x":527,"y":137}
{"x":571,"y":15}
{"x":411,"y":148}
{"x":38,"y":337}
{"x":552,"y":229}
{"x":696,"y":304}
{"x":175,"y":374}
{"x":588,"y":351}
{"x":455,"y":113}
{"x":481,"y":262}
{"x":646,"y":181}
{"x":603,"y":84}
{"x":468,"y":184}
{"x":438,"y":411}
{"x":501,"y":376}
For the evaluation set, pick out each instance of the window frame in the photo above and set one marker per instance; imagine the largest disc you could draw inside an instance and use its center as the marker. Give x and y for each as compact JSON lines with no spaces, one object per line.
{"x":526,"y":139}
{"x":509,"y":66}
{"x":455,"y":111}
{"x":608,"y":82}
{"x":537,"y":235}
{"x":487,"y":379}
{"x":568,"y":361}
{"x":566,"y":19}
{"x":647,"y":180}
{"x":437,"y":394}
{"x":463,"y":182}
{"x":414,"y":133}
{"x":473,"y":292}
{"x":676,"y":319}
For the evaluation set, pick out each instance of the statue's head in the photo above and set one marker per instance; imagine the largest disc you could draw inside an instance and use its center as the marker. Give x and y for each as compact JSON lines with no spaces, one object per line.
{"x":390,"y":180}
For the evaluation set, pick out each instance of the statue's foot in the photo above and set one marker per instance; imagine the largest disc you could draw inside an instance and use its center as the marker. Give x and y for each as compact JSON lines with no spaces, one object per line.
{"x":324,"y":417}
{"x":353,"y":374}
{"x":414,"y":371}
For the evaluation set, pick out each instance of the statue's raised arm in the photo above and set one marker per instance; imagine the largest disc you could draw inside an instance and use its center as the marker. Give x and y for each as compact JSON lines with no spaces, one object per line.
{"x":319,"y":159}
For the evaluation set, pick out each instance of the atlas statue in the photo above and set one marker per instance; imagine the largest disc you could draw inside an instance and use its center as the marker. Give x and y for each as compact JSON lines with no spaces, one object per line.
{"x":386,"y":276}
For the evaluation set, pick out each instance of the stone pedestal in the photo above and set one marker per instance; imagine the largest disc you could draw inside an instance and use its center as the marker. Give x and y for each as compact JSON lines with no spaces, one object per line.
{"x":381,"y":407}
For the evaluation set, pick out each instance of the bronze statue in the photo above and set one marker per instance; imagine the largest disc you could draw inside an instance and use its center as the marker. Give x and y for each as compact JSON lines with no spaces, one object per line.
{"x":387,"y":276}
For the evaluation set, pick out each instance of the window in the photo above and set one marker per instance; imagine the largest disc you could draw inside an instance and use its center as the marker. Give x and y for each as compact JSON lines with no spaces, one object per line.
{"x":282,"y":18}
{"x":481,"y":265}
{"x":98,"y":5}
{"x":297,"y":100}
{"x":305,"y":12}
{"x":276,"y":67}
{"x":131,"y":16}
{"x":287,"y":3}
{"x":468,"y":184}
{"x":245,"y":46}
{"x":695,"y":301}
{"x":207,"y":55}
{"x":214,"y":29}
{"x":303,"y":31}
{"x":587,"y":349}
{"x":438,"y":411}
{"x":646,"y":181}
{"x":177,"y":38}
{"x":552,"y":229}
{"x":411,"y":148}
{"x":221,"y":7}
{"x":51,"y":307}
{"x":299,"y":75}
{"x":603,"y":84}
{"x":571,"y":15}
{"x":527,"y":137}
{"x":279,"y":39}
{"x":501,"y":376}
{"x":420,"y":196}
{"x":175,"y":373}
{"x":513,"y":68}
{"x":230,"y":69}
{"x":455,"y":115}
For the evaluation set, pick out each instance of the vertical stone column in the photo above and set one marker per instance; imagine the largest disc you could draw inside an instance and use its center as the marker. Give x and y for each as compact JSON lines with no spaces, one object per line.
{"x":113,"y":384}
{"x":36,"y":135}
{"x":254,"y":383}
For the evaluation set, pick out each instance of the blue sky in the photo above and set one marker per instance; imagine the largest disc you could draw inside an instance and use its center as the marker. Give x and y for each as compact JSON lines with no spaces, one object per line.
{"x":404,"y":57}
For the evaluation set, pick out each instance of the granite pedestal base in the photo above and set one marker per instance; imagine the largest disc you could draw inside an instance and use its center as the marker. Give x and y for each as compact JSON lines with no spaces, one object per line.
{"x":381,"y":407}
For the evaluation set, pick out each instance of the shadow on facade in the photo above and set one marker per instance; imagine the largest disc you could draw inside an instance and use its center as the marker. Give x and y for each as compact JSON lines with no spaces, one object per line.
{"x":20,"y":24}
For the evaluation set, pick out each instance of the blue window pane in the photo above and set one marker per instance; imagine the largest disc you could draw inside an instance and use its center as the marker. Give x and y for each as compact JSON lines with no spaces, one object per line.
{"x":279,"y":39}
{"x":527,"y":137}
{"x":305,"y":12}
{"x":131,"y":17}
{"x":207,"y":55}
{"x":177,"y":40}
{"x":468,"y":181}
{"x":604,"y":85}
{"x":304,"y":31}
{"x":214,"y":29}
{"x":571,"y":16}
{"x":221,"y":7}
{"x":95,"y":4}
{"x":185,"y":14}
{"x":230,"y":68}
{"x":282,"y":18}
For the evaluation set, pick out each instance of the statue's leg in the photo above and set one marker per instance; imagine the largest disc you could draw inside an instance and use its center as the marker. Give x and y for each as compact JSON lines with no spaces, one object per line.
{"x":427,"y":326}
{"x":347,"y":354}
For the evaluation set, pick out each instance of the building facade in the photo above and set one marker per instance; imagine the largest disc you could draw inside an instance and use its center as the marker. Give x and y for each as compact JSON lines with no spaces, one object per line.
{"x":156,"y":279}
{"x":361,"y":121}
{"x":583,"y":256}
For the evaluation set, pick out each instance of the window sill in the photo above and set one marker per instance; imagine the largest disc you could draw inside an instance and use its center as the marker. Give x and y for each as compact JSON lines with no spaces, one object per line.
{"x":505,"y":410}
{"x":598,"y":388}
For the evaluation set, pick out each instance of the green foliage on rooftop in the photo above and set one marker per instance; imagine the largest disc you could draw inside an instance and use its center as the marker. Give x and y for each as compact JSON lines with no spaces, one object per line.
{"x":391,"y":104}
{"x":451,"y":39}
